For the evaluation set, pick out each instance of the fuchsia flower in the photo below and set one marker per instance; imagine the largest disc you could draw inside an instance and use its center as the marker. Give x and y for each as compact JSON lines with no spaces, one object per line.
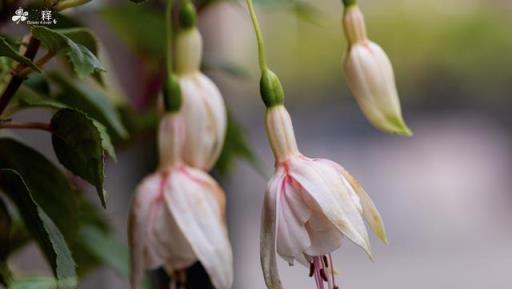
{"x":310,"y":205}
{"x":177,"y":216}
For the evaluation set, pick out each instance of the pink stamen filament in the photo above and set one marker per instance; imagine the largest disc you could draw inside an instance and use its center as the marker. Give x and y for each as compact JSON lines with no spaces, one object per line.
{"x":318,"y":267}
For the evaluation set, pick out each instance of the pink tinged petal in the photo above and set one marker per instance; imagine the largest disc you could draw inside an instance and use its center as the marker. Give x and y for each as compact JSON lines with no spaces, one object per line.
{"x":197,"y":205}
{"x":332,"y":198}
{"x":269,"y":229}
{"x":292,"y":214}
{"x":140,"y":209}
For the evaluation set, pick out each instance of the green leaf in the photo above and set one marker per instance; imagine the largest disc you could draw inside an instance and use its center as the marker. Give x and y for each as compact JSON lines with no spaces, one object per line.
{"x":91,"y":101}
{"x":49,"y":187}
{"x":235,"y":146}
{"x":41,"y":227}
{"x":147,"y":38}
{"x":26,"y":98}
{"x":90,"y":216}
{"x":86,"y":38}
{"x":7,"y":51}
{"x":35,"y":282}
{"x":79,"y":145}
{"x":84,"y":61}
{"x":108,"y":250}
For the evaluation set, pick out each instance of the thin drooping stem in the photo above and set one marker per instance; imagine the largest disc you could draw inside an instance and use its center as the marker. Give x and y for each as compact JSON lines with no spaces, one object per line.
{"x":17,"y":80}
{"x":26,"y":125}
{"x":70,"y":4}
{"x":168,"y":36}
{"x":259,"y":36}
{"x":348,"y":3}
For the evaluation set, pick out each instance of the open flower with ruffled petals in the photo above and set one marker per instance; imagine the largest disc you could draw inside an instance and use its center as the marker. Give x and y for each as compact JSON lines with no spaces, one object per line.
{"x":310,"y":205}
{"x":177,"y":216}
{"x":370,"y":76}
{"x":203,"y":106}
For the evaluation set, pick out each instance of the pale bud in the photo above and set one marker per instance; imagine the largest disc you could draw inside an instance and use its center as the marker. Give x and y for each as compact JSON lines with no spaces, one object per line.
{"x":370,"y":76}
{"x":203,"y":108}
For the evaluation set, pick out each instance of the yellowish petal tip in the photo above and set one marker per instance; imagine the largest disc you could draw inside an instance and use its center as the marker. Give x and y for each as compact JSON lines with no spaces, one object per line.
{"x":397,"y":126}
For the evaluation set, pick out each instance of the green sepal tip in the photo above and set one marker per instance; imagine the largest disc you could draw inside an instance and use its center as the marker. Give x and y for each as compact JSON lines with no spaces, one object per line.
{"x":172,"y":94}
{"x":271,"y":89}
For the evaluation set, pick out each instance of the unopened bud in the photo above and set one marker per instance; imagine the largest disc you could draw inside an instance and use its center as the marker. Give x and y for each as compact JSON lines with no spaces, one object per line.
{"x":370,"y":77}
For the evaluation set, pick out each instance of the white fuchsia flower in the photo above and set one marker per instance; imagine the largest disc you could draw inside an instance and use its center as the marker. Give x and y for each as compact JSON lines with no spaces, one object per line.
{"x":370,"y":76}
{"x":310,"y":205}
{"x":203,"y":106}
{"x":177,"y":216}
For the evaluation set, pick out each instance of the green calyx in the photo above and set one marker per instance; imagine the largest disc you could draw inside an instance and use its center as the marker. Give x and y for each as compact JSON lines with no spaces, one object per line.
{"x":348,"y":3}
{"x":271,"y":89}
{"x":188,"y":15}
{"x":172,"y":94}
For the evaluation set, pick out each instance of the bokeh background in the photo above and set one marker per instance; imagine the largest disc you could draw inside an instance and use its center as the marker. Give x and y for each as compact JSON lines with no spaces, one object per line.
{"x":445,"y":193}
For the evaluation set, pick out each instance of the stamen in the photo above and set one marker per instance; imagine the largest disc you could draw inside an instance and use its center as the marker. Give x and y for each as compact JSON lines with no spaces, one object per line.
{"x":311,"y":269}
{"x":334,"y":286}
{"x":323,"y":275}
{"x":326,"y":264}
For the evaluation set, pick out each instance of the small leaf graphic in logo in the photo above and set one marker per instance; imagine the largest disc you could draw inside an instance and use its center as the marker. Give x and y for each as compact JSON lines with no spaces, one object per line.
{"x":20,"y":15}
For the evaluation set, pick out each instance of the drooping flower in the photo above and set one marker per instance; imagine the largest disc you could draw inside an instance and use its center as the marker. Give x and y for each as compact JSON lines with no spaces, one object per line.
{"x":370,"y":76}
{"x":177,"y":216}
{"x":310,"y":205}
{"x":203,"y":106}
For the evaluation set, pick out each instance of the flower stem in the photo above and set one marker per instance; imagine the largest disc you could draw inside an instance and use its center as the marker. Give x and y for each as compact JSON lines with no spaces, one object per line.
{"x":39,"y":63}
{"x":70,"y":4}
{"x":26,"y":125}
{"x":16,"y":80}
{"x":259,"y":36}
{"x":348,"y":3}
{"x":168,"y":36}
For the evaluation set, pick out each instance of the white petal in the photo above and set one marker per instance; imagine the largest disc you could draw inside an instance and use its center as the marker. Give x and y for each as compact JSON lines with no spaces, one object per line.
{"x":292,"y":237}
{"x":197,"y":204}
{"x":206,"y":120}
{"x":325,"y":237}
{"x":269,"y":229}
{"x":140,"y":209}
{"x":170,"y":243}
{"x":371,"y":79}
{"x":320,"y":183}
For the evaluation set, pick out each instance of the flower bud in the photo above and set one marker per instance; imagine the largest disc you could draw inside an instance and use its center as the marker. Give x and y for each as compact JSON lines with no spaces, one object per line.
{"x":203,"y":108}
{"x":188,"y":15}
{"x":370,"y":76}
